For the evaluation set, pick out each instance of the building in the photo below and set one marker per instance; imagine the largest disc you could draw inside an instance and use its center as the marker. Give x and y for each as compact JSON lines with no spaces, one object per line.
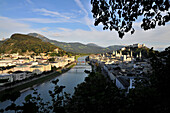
{"x":21,"y":75}
{"x":56,"y":50}
{"x":125,"y":82}
{"x":21,"y":68}
{"x":36,"y":69}
{"x":6,"y":78}
{"x":138,"y":45}
{"x":46,"y":67}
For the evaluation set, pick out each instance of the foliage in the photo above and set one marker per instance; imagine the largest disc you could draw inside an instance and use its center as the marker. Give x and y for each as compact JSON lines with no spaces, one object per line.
{"x":54,"y":54}
{"x":120,"y":14}
{"x":69,"y":54}
{"x":161,"y":76}
{"x":95,"y":95}
{"x":51,"y":59}
{"x":10,"y":95}
{"x":59,"y":98}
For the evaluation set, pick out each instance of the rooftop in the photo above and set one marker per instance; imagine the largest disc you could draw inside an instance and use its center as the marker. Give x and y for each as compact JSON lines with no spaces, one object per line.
{"x":18,"y":72}
{"x":35,"y":66}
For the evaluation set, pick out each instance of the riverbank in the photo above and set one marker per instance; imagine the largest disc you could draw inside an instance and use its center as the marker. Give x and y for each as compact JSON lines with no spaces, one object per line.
{"x":29,"y":84}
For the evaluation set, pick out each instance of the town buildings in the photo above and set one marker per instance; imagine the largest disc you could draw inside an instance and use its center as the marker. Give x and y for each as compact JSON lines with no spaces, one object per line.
{"x":123,"y":65}
{"x":15,"y":67}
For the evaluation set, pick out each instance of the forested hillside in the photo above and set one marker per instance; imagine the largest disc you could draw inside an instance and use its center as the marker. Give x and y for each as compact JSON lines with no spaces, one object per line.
{"x":23,"y":43}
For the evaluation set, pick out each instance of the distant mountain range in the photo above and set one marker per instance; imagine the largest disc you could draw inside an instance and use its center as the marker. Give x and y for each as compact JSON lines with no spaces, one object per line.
{"x":68,"y":47}
{"x":78,"y":47}
{"x":92,"y":44}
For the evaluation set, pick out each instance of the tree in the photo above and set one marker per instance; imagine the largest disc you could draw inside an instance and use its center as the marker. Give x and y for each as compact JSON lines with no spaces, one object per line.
{"x":120,"y":14}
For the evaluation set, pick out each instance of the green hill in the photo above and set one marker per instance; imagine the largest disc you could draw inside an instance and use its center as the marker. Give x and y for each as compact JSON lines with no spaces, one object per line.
{"x":23,"y":43}
{"x":77,"y":47}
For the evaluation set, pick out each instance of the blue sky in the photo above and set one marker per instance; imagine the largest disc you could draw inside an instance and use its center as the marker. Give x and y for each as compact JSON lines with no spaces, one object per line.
{"x":69,"y":21}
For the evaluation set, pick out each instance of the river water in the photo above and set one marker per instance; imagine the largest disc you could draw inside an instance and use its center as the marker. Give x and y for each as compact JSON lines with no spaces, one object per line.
{"x":69,"y":79}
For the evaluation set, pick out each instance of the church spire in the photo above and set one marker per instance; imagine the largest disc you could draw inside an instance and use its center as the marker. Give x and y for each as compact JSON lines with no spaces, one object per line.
{"x":140,"y":55}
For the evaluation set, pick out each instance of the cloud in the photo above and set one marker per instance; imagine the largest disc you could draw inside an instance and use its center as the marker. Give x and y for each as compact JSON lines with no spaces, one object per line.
{"x":56,"y":17}
{"x":51,"y":13}
{"x":64,"y":29}
{"x":42,"y":20}
{"x":45,"y":28}
{"x":48,"y":20}
{"x":78,"y":2}
{"x":86,"y":19}
{"x":9,"y":26}
{"x":29,"y":1}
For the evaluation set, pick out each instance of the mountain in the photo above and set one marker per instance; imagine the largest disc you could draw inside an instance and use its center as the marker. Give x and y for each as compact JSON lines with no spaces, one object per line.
{"x":77,"y":47}
{"x":92,"y":44}
{"x":43,"y":38}
{"x":2,"y":41}
{"x":23,"y":43}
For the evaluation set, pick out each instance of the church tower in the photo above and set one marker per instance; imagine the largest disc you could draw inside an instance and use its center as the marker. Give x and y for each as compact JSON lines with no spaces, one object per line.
{"x":113,"y":53}
{"x":140,"y":55}
{"x":116,"y":54}
{"x":131,"y":54}
{"x":120,"y":53}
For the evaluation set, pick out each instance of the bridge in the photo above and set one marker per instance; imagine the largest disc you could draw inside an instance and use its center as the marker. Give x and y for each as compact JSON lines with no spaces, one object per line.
{"x":82,"y":62}
{"x":81,"y":67}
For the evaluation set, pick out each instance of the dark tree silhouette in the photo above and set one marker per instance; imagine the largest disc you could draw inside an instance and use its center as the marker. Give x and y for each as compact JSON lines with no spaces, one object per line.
{"x":120,"y":14}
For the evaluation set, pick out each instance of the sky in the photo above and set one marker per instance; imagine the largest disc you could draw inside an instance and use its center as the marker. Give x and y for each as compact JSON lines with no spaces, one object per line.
{"x":70,"y":21}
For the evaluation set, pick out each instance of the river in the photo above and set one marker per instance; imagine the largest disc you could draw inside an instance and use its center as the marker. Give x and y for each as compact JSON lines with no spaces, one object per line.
{"x":69,"y":79}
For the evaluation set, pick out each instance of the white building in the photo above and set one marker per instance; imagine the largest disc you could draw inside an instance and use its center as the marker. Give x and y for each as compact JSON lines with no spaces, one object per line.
{"x":21,"y":75}
{"x":6,"y":78}
{"x":138,"y":45}
{"x":125,"y":82}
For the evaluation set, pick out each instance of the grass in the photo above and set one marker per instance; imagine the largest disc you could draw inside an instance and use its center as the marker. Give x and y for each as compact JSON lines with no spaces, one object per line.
{"x":32,"y":83}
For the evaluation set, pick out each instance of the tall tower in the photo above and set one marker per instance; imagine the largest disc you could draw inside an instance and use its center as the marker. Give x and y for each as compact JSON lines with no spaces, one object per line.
{"x":137,"y":56}
{"x":120,"y":52}
{"x":140,"y":55}
{"x":116,"y":54}
{"x":128,"y":55}
{"x":113,"y":52}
